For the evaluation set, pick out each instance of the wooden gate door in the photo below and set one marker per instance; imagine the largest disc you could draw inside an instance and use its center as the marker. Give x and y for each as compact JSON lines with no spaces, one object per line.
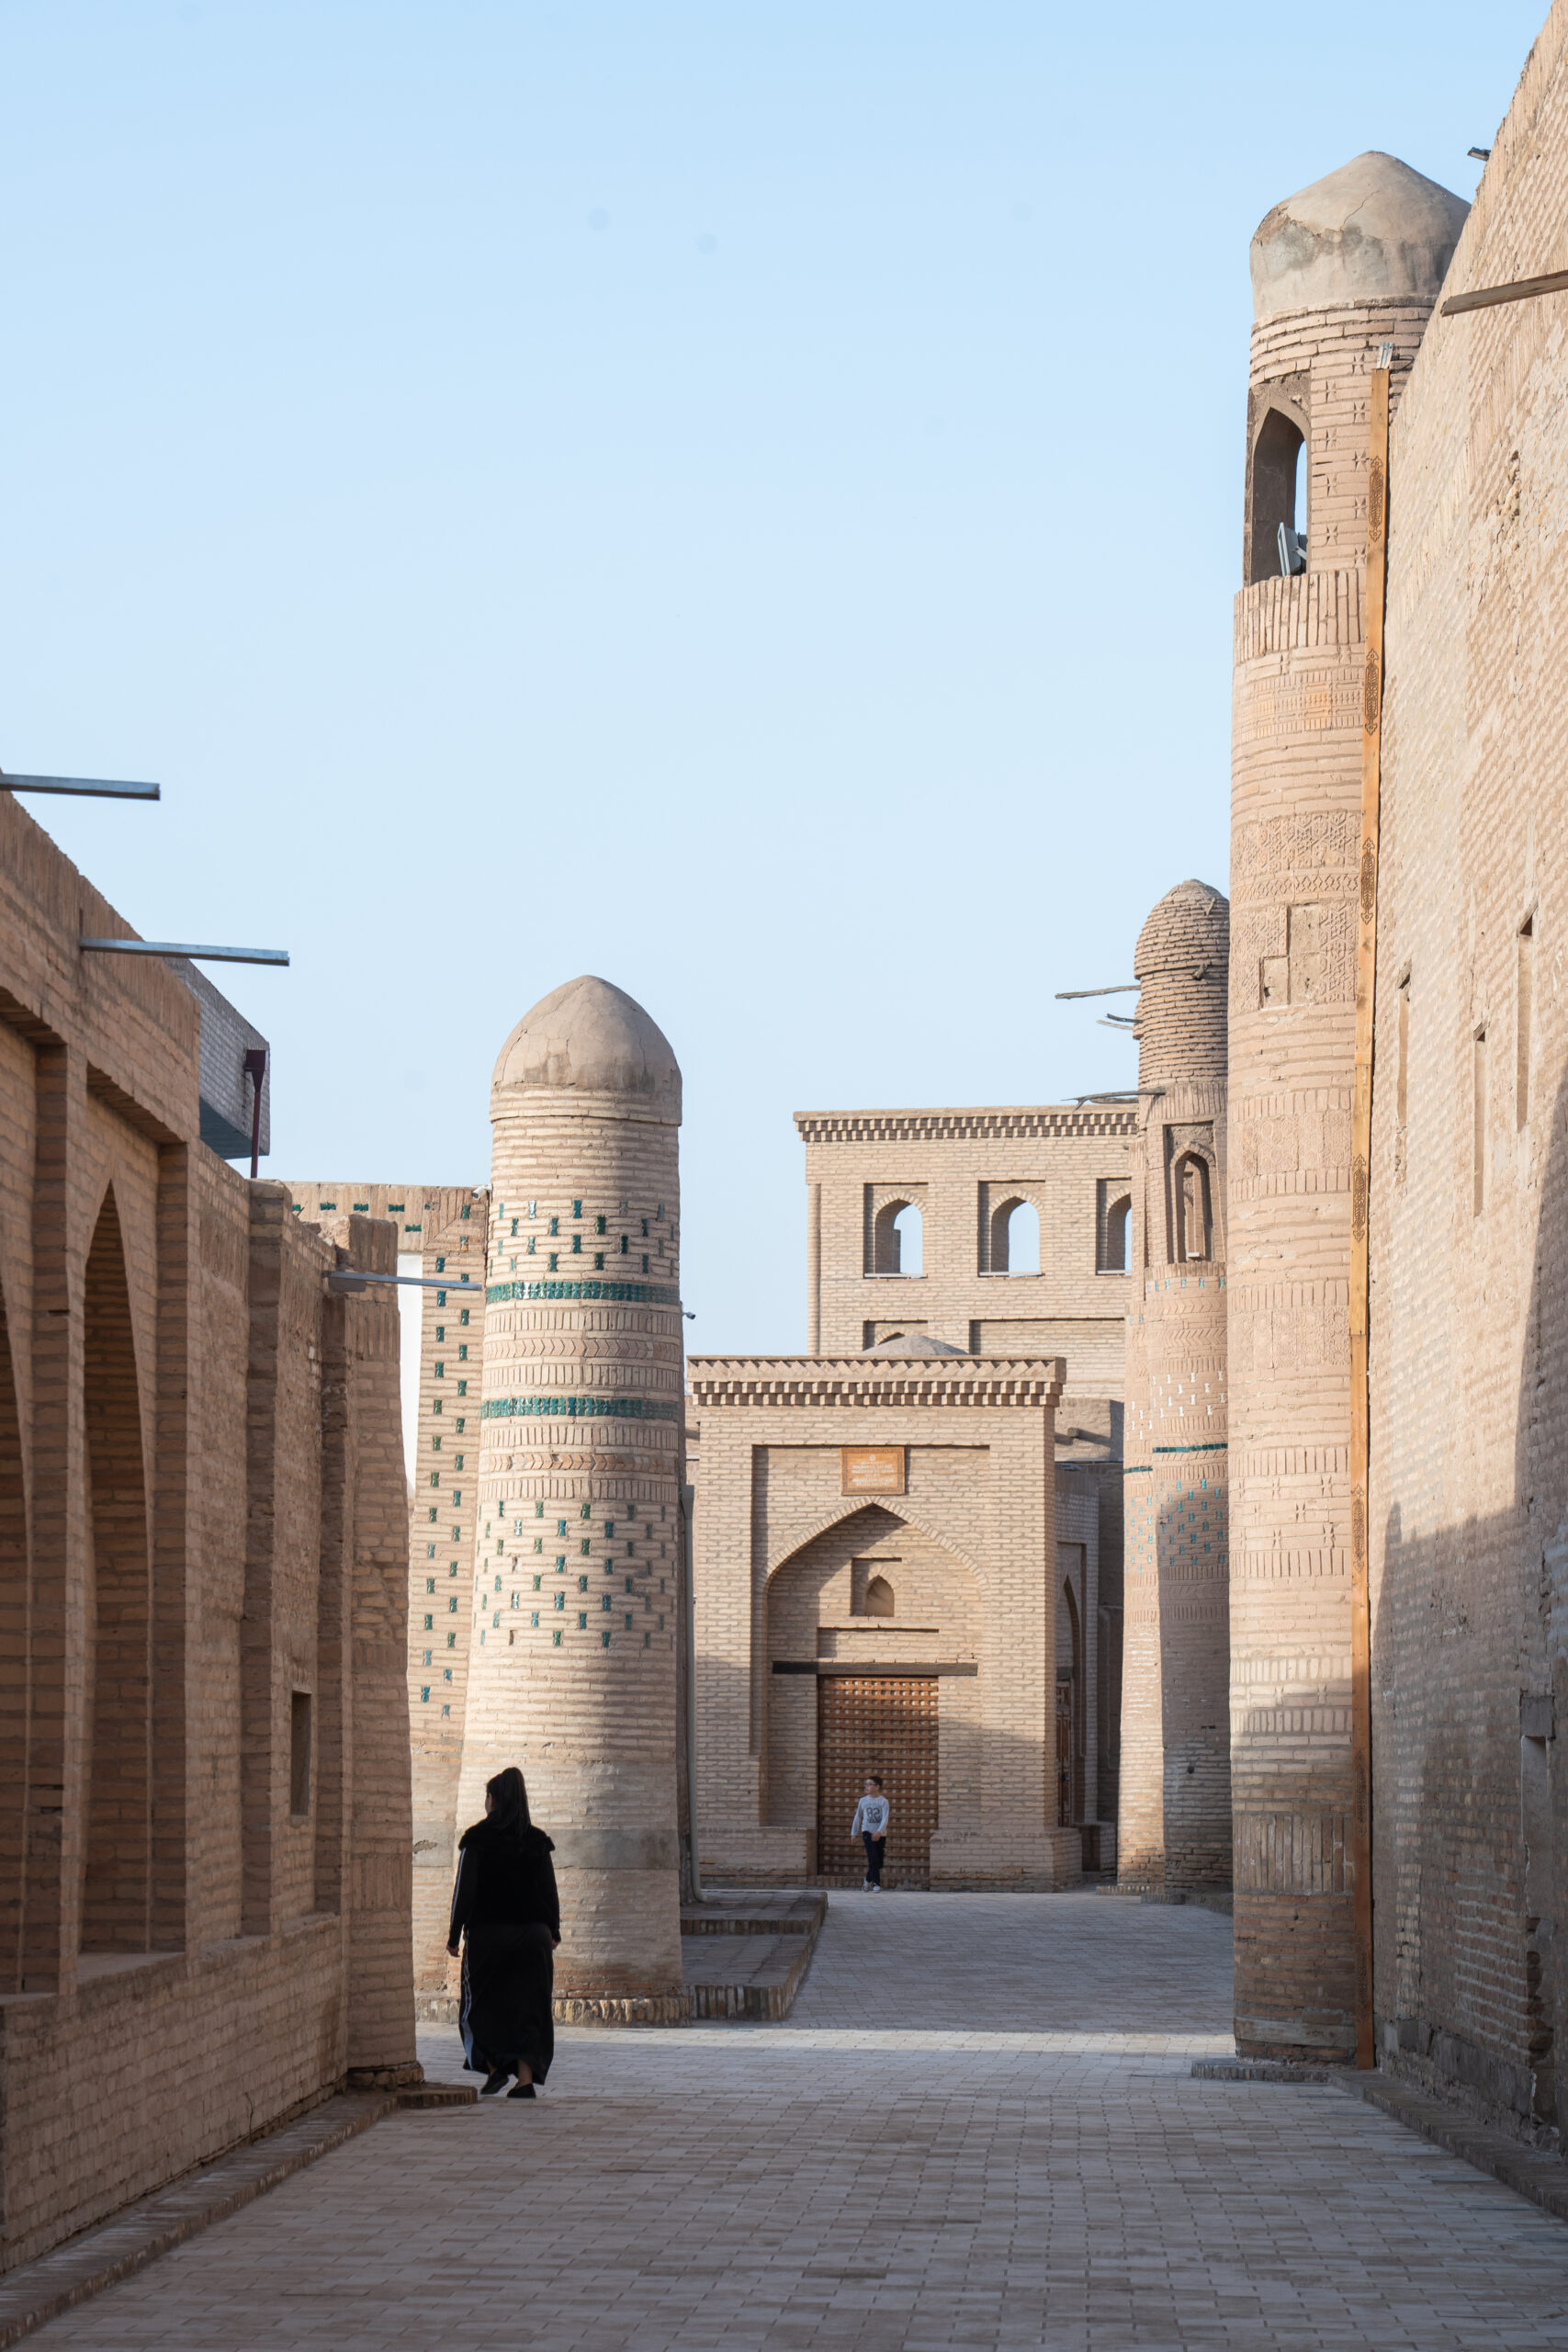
{"x":1063,"y":1754}
{"x":876,"y":1722}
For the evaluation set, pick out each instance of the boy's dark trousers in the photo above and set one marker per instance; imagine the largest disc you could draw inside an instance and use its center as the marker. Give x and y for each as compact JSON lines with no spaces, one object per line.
{"x":875,"y":1855}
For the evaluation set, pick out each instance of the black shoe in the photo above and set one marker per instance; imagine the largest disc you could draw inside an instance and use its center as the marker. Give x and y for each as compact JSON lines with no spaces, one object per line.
{"x":520,"y":2090}
{"x":496,"y":2082}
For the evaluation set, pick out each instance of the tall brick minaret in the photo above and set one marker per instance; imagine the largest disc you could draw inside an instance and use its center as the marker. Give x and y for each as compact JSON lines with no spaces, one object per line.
{"x":1348,"y":267}
{"x":1175,"y":1826}
{"x":572,"y":1668}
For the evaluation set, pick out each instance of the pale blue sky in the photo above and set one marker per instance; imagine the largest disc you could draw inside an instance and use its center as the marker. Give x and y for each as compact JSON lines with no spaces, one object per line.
{"x":745,"y":500}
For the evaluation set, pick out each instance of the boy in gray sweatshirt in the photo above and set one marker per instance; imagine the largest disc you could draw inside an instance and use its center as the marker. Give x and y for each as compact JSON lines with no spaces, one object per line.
{"x":871,"y":1827}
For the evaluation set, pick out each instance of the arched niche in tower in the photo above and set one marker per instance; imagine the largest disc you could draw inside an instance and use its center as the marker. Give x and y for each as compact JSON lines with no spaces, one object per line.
{"x":1193,"y":1210}
{"x":1115,"y":1221}
{"x":1276,"y":494}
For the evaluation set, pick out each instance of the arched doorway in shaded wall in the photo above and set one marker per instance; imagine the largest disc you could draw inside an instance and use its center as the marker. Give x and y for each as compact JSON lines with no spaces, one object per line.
{"x":15,"y":1647}
{"x":116,"y":1888}
{"x":873,"y":1628}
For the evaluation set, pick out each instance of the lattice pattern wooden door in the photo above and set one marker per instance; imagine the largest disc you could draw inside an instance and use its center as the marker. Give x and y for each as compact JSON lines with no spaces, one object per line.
{"x":876,"y":1722}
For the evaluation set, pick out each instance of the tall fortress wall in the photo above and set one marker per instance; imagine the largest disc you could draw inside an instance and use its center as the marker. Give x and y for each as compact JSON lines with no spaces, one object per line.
{"x":1348,"y":267}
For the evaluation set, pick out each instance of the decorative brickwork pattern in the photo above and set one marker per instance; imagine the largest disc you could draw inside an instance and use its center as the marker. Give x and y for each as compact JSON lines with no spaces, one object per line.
{"x":572,"y":1664}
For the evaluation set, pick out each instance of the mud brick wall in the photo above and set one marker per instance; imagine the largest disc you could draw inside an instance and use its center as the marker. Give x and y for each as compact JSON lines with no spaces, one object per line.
{"x":1469,"y":1505}
{"x":204,"y":1813}
{"x":442,"y":1233}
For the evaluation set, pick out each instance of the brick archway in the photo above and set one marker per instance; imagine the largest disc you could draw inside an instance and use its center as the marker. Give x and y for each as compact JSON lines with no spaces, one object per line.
{"x":117,"y":1882}
{"x":13,"y":1669}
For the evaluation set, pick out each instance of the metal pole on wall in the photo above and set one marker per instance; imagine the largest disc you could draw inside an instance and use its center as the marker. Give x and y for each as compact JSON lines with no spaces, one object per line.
{"x":255,"y":1070}
{"x":1361,"y":1221}
{"x":689,"y":1635}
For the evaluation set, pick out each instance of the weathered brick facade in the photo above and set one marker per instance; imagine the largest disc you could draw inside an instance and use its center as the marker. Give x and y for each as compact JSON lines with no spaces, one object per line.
{"x":964,"y":1170}
{"x":1469,"y":1497}
{"x":443,"y":1230}
{"x":964,"y":1543}
{"x":997,"y":1559}
{"x":204,"y":1873}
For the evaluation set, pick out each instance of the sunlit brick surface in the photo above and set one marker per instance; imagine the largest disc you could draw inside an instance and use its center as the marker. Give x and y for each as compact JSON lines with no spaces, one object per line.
{"x":977,"y":2129}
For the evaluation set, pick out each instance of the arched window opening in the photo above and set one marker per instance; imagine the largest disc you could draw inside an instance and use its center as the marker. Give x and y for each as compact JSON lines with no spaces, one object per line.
{"x":1194,"y":1234}
{"x":910,"y":1229}
{"x":878,"y":1598}
{"x":13,"y":1677}
{"x":115,"y":1914}
{"x":1010,"y":1237}
{"x":1115,"y":1233}
{"x":897,"y":1238}
{"x":1278,"y":531}
{"x":1023,"y":1242}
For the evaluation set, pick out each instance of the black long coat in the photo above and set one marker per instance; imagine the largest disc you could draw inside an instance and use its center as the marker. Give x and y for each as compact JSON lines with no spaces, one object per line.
{"x":505,"y":1907}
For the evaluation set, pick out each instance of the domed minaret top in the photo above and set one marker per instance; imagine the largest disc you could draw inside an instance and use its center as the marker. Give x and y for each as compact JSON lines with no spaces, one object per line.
{"x":1373,"y":232}
{"x":589,"y":1038}
{"x":1182,"y":966}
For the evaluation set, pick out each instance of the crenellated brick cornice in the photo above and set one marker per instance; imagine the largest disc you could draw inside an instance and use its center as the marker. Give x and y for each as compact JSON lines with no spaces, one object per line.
{"x":819,"y":1381}
{"x":1003,"y":1125}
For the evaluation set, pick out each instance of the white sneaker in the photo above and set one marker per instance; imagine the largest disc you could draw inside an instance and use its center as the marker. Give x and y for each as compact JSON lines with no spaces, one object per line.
{"x":866,"y":1886}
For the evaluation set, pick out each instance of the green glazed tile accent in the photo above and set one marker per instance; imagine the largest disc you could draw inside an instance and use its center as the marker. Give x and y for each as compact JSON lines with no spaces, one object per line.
{"x":630,"y":1294}
{"x":580,"y":1409}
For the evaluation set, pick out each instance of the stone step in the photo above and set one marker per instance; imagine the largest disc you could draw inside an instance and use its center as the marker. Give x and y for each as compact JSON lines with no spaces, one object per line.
{"x":748,"y":1977}
{"x":784,"y":1912}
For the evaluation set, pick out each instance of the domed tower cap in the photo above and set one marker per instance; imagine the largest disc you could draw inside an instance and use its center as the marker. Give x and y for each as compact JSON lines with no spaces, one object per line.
{"x":1190,"y":928}
{"x":1373,"y":232}
{"x":589,"y":1038}
{"x":1181,"y":964}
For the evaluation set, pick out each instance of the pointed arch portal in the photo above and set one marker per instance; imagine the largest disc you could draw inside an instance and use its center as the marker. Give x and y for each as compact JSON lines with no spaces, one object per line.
{"x":117,"y":1885}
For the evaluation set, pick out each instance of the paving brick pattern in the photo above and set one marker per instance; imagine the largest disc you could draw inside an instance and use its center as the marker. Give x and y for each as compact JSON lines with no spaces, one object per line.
{"x":977,"y":2127}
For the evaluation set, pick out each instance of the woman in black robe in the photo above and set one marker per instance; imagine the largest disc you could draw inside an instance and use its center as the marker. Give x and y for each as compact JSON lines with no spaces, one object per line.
{"x":505,"y":1907}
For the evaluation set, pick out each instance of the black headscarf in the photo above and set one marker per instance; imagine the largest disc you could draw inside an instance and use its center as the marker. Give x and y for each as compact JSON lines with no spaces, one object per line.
{"x":509,"y":1808}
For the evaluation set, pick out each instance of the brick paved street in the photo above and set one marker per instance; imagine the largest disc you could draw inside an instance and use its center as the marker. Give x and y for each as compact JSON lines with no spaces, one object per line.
{"x":979,"y":2128}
